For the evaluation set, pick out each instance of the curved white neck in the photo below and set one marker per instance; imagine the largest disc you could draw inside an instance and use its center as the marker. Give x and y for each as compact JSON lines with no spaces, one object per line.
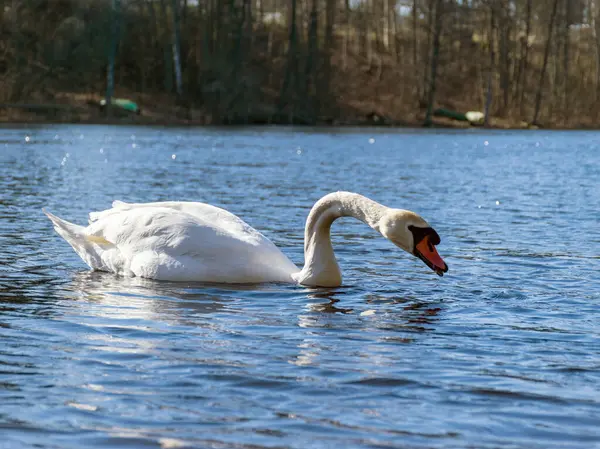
{"x":320,"y":266}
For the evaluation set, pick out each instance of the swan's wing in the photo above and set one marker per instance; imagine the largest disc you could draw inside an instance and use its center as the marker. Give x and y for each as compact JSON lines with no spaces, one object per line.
{"x":205,"y":212}
{"x":168,"y":228}
{"x":168,"y":243}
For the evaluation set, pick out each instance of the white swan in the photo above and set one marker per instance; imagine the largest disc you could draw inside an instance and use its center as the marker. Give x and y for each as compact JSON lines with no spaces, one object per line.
{"x":186,"y":241}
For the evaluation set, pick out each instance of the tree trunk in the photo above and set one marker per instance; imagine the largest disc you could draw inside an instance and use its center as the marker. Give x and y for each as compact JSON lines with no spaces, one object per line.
{"x":504,"y":21}
{"x":346,"y":35}
{"x":143,"y":56}
{"x":177,"y":48}
{"x":291,"y":68}
{"x":393,"y":29}
{"x":167,"y":53}
{"x":369,"y":17}
{"x":154,"y":38}
{"x":248,"y":27}
{"x":566,"y":60}
{"x":434,"y":60}
{"x":261,"y":11}
{"x":596,"y":33}
{"x":418,"y":82}
{"x":522,"y":76}
{"x":489,"y":95}
{"x":428,"y":53}
{"x":311,"y":69}
{"x":538,"y":97}
{"x":386,"y":25}
{"x":325,"y":83}
{"x":114,"y":38}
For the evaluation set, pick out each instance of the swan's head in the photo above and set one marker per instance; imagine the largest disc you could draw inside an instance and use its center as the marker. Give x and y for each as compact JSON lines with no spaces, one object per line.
{"x":413,"y":234}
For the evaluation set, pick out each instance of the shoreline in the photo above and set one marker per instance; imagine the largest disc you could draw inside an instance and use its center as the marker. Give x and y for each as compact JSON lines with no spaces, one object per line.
{"x":176,"y":116}
{"x":341,"y":125}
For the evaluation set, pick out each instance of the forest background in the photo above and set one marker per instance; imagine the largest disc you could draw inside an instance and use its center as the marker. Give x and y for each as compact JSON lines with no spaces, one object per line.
{"x":522,"y":63}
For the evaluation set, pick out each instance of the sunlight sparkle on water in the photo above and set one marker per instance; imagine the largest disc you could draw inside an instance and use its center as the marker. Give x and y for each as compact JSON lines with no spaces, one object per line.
{"x":173,"y":156}
{"x":371,"y":141}
{"x":27,"y":138}
{"x":86,"y":407}
{"x":171,"y":443}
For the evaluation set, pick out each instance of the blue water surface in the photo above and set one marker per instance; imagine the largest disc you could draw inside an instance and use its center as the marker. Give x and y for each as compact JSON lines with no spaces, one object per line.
{"x":502,"y":352}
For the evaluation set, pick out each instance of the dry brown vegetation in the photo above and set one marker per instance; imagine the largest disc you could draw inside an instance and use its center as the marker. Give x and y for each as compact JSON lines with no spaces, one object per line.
{"x":303,"y":61}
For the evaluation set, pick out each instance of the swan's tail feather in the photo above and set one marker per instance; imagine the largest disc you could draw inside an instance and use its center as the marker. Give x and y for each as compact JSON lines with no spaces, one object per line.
{"x":82,"y":243}
{"x":63,"y":227}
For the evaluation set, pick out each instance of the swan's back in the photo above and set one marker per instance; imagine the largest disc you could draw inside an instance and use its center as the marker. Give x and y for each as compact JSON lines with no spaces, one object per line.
{"x":204,"y":212}
{"x":179,"y":241}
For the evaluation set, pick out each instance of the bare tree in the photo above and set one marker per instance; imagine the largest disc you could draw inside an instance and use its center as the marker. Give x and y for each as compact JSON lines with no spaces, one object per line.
{"x":492,"y":63}
{"x":538,"y":97}
{"x":177,"y":47}
{"x":435,"y":55}
{"x":596,"y":33}
{"x":521,"y":81}
{"x":566,"y":58}
{"x":110,"y":75}
{"x":291,"y":71}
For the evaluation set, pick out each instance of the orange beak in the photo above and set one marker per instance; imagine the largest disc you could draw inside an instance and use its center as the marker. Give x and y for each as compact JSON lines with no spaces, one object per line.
{"x":426,"y":251}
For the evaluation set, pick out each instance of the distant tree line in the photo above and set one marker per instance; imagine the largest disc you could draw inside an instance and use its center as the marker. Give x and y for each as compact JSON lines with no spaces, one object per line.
{"x":313,"y":61}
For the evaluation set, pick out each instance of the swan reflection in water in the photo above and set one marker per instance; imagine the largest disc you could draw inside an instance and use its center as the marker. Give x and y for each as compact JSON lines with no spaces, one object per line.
{"x":140,"y":310}
{"x":133,"y":297}
{"x":408,"y":312}
{"x":172,"y":301}
{"x":392,"y":320}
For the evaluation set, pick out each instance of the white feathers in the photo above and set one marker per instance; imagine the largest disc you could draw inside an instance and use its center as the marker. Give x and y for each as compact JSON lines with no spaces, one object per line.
{"x":176,"y":241}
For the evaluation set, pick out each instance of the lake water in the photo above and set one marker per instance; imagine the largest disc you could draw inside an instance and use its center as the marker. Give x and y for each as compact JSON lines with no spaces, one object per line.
{"x":502,"y":352}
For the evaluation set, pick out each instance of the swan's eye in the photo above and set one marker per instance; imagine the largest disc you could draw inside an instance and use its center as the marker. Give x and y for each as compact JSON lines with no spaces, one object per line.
{"x":421,"y":233}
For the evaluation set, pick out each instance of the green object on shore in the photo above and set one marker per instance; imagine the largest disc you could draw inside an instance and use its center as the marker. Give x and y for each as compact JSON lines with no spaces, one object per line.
{"x":123,"y":103}
{"x":128,"y":105}
{"x":441,"y":112}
